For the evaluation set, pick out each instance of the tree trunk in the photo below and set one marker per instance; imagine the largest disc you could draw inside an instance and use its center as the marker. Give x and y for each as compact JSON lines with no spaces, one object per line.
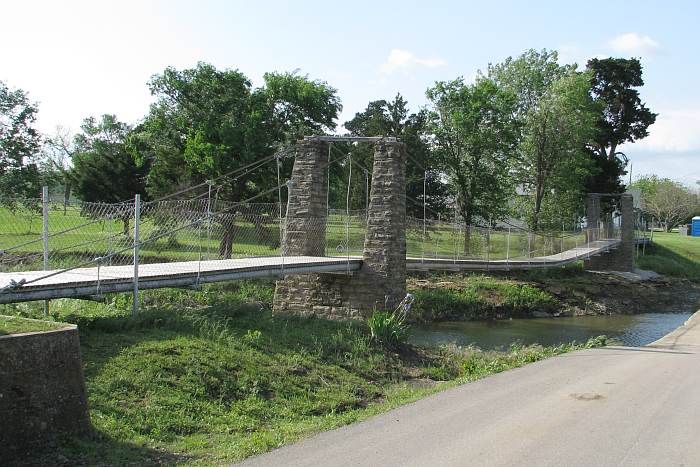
{"x":467,"y":239}
{"x":125,"y":221}
{"x":536,"y":213}
{"x":66,"y":197}
{"x":226,"y":243}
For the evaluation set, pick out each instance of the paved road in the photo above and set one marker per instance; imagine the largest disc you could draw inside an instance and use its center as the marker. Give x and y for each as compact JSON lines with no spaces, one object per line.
{"x":617,"y":406}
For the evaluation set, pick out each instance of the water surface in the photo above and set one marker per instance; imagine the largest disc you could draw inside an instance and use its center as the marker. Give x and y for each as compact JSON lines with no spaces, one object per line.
{"x":632,"y":330}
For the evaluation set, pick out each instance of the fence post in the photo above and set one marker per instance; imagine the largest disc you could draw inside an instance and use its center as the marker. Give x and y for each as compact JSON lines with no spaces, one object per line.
{"x":561,"y":249}
{"x":488,"y":247}
{"x":137,"y":220}
{"x":45,"y":234}
{"x":209,"y":208}
{"x":508,"y":247}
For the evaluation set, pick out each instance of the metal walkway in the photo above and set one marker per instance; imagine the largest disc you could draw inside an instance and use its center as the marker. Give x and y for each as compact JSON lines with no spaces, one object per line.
{"x":560,"y":259}
{"x":93,"y":282}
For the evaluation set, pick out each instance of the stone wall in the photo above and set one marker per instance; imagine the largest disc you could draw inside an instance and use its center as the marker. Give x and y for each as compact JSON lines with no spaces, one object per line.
{"x":381,"y":282}
{"x":621,"y":258}
{"x":42,"y":390}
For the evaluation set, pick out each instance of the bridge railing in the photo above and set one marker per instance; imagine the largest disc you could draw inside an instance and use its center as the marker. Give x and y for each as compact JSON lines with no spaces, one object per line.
{"x":83,"y":233}
{"x":437,"y":239}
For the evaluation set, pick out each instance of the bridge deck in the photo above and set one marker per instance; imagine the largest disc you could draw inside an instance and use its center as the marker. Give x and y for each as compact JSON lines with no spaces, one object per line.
{"x":85,"y":282}
{"x":559,"y":259}
{"x":88,"y":282}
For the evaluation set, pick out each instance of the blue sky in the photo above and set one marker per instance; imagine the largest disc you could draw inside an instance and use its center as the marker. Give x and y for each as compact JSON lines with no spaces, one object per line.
{"x":81,"y":58}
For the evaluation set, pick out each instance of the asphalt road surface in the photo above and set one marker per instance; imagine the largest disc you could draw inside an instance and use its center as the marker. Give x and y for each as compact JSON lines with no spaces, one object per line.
{"x":615,"y":406}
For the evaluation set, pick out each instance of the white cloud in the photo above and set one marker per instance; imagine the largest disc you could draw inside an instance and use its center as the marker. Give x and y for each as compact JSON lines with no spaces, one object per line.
{"x":402,"y":59}
{"x":674,"y":131}
{"x":634,"y":44}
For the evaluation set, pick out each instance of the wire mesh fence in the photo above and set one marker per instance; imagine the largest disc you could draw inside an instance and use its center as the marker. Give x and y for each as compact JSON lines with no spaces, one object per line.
{"x":206,"y":229}
{"x":79,"y":233}
{"x":59,"y":236}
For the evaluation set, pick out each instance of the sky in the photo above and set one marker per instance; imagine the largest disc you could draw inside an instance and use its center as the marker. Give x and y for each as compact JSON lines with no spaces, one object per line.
{"x":87,"y":58}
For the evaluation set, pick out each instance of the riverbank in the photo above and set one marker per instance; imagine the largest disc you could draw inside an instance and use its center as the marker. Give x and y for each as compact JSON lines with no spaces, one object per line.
{"x":565,"y":292}
{"x":568,"y":291}
{"x":210,"y":377}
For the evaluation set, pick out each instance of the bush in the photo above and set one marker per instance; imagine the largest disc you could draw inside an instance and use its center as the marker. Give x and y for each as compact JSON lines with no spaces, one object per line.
{"x":388,"y":328}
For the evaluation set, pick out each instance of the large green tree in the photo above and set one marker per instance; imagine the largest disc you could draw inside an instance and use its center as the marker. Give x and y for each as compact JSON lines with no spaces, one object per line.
{"x":392,"y":118}
{"x":554,"y":166}
{"x":473,"y":135}
{"x":622,"y":118}
{"x":20,"y":142}
{"x":207,"y":122}
{"x":667,"y":202}
{"x":103,"y":169}
{"x":529,"y":77}
{"x":551,"y":170}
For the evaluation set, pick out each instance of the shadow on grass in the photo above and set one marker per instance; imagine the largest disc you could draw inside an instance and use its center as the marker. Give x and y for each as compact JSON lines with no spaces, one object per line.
{"x":666,"y":261}
{"x":95,"y":449}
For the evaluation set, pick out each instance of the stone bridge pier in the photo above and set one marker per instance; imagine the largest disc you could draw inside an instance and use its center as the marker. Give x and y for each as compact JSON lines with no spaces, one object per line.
{"x":622,"y":257}
{"x":381,"y":281}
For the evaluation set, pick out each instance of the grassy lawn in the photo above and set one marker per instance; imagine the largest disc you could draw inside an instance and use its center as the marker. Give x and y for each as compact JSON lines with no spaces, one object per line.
{"x":210,"y":377}
{"x":17,"y":325}
{"x":673,"y":255}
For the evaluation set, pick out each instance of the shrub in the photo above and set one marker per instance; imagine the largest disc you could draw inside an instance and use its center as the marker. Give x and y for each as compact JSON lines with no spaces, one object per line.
{"x":388,"y":328}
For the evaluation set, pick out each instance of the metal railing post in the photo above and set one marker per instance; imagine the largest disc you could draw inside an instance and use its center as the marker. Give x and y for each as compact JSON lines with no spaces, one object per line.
{"x":45,"y":234}
{"x":137,"y":221}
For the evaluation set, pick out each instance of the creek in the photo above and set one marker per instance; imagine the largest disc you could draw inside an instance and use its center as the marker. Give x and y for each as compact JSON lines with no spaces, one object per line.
{"x":630,"y":330}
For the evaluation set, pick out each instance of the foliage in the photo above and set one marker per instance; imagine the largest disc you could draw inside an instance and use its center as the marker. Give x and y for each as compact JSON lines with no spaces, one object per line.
{"x":473,"y":137}
{"x":554,"y":164}
{"x":529,"y":77}
{"x":388,"y":328}
{"x":481,"y":298}
{"x":57,"y":154}
{"x":667,"y":201}
{"x":555,"y":121}
{"x":103,"y":170}
{"x":20,"y":176}
{"x":208,"y":122}
{"x":623,"y":118}
{"x":391,"y":118}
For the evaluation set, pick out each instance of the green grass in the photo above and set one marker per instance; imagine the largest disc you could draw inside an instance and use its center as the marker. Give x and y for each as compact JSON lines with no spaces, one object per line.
{"x":472,"y":297}
{"x":210,"y":377}
{"x":17,"y":325}
{"x":673,"y":255}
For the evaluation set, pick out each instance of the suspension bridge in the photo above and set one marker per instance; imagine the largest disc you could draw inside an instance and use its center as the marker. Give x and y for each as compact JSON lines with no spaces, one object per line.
{"x":337,"y":263}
